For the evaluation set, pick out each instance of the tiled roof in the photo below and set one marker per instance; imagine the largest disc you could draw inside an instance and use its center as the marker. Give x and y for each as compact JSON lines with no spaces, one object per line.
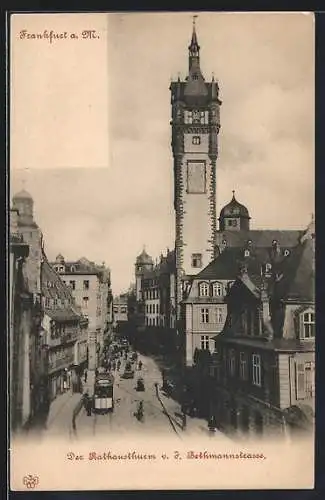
{"x":228,"y":210}
{"x":298,"y":281}
{"x":259,"y":237}
{"x":227,"y":265}
{"x":62,"y":314}
{"x":57,"y":289}
{"x":288,"y":345}
{"x":82,"y":266}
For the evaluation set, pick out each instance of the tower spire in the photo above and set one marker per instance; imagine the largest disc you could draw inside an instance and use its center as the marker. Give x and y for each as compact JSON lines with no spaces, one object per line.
{"x":194,"y":48}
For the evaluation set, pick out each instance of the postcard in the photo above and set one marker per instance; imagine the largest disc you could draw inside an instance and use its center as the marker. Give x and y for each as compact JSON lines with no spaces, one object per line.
{"x":161,"y":311}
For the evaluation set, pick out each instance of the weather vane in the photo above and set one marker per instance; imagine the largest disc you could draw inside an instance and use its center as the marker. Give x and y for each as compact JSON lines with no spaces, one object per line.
{"x":194,"y":17}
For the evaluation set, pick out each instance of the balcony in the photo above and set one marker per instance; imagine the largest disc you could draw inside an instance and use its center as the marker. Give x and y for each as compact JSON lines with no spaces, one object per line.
{"x":61,"y":363}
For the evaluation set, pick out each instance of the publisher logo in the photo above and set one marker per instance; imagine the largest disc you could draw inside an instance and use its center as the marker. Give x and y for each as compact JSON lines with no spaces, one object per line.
{"x":30,"y":481}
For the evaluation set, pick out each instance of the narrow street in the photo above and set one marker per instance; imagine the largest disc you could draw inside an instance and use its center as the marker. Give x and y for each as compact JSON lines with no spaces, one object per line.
{"x":126,"y":398}
{"x":162,"y":414}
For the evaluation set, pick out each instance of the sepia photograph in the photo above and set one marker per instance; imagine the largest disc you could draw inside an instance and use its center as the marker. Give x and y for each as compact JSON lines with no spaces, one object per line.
{"x":161,"y":274}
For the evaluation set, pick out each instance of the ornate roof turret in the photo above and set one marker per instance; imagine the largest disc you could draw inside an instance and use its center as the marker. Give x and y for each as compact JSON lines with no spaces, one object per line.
{"x":234,"y":208}
{"x":59,"y":259}
{"x":144,"y":258}
{"x":194,"y":48}
{"x":24,"y":203}
{"x":22,"y":195}
{"x":195,"y":81}
{"x":234,"y":216}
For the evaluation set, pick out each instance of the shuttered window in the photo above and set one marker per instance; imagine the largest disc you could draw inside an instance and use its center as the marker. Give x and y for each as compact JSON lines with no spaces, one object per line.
{"x":300,"y":380}
{"x":257,"y":370}
{"x":305,"y":380}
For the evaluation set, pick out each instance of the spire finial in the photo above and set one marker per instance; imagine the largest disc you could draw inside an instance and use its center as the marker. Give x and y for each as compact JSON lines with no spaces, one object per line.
{"x":233,"y":193}
{"x":194,"y":18}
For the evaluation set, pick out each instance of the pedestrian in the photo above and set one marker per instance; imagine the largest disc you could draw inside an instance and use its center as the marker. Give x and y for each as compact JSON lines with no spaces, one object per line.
{"x":85,"y":377}
{"x":118,"y":365}
{"x":87,"y":404}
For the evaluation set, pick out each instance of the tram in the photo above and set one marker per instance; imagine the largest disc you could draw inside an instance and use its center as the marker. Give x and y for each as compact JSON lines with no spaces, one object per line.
{"x":103,"y":393}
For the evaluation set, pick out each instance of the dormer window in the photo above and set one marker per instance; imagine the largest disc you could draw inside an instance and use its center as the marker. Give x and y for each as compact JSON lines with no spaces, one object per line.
{"x":73,"y":269}
{"x":307,"y":325}
{"x":230,"y":284}
{"x":217,"y":289}
{"x":246,"y":253}
{"x":286,"y":253}
{"x":204,"y":289}
{"x":268,"y":268}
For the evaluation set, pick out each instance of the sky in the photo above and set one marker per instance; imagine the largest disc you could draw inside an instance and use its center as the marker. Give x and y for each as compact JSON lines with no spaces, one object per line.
{"x":90,"y":125}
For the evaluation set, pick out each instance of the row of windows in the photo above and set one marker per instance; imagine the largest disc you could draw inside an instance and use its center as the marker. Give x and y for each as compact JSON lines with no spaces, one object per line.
{"x":59,"y":330}
{"x":72,"y":284}
{"x":304,"y":371}
{"x":196,"y":116}
{"x":50,"y":303}
{"x":250,"y":324}
{"x":60,"y":354}
{"x":256,"y":364}
{"x":151,"y":294}
{"x":147,"y":283}
{"x":152,"y":308}
{"x":157,"y":321}
{"x":215,"y":289}
{"x":121,"y":310}
{"x":212,"y":315}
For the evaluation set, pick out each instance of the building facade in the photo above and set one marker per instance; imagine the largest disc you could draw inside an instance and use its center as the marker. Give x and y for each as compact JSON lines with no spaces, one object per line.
{"x":90,"y":286}
{"x":120,"y":309}
{"x":155,"y":289}
{"x":43,"y":321}
{"x":30,"y":302}
{"x":195,"y":126}
{"x":204,"y":308}
{"x":21,"y":329}
{"x":24,"y":204}
{"x":264,"y":384}
{"x":65,"y":334}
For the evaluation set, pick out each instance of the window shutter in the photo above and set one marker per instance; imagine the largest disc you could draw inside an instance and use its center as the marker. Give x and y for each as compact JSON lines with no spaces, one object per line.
{"x":300,"y":380}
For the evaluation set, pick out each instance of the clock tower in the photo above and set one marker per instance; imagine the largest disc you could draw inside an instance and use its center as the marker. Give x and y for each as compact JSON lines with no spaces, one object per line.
{"x":195,"y":126}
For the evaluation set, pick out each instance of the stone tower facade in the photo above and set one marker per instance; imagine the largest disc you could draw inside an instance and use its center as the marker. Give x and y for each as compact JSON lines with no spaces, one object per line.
{"x":143,"y":263}
{"x":195,"y":126}
{"x":24,"y":204}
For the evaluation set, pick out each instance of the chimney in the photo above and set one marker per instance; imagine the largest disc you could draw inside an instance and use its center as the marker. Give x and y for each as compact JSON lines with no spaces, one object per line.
{"x":266,"y":317}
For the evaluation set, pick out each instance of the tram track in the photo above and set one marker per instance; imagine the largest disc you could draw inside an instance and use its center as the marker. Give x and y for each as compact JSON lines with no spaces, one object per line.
{"x":112,"y":421}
